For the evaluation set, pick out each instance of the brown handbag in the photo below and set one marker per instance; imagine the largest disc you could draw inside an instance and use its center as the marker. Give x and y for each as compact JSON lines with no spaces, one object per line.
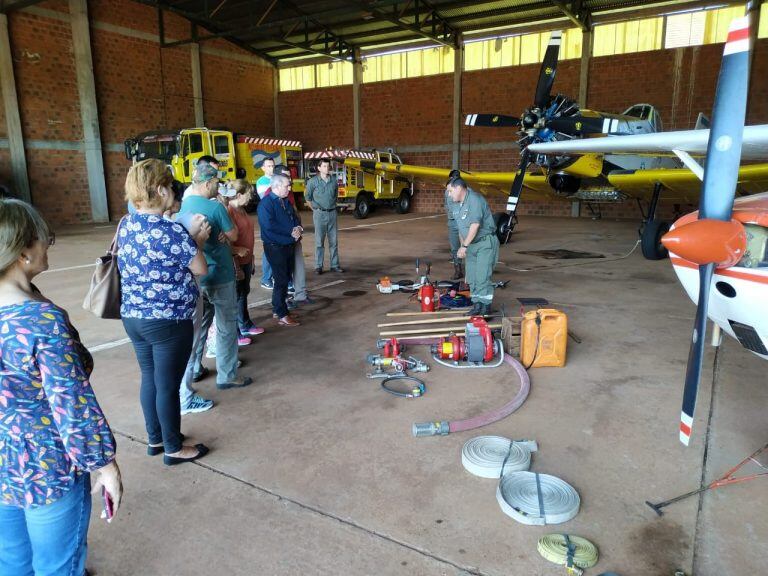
{"x":103,"y":297}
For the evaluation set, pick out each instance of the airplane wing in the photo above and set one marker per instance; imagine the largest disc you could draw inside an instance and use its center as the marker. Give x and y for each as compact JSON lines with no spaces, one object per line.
{"x":694,"y":142}
{"x":681,"y":185}
{"x":498,"y":183}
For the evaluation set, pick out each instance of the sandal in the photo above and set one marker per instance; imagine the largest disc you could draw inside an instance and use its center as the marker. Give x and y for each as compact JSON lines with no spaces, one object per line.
{"x":202,"y":450}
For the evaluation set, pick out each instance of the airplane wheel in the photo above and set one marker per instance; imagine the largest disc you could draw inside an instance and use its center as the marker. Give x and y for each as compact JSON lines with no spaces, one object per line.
{"x":503,"y":226}
{"x":363,"y":206}
{"x":650,"y":240}
{"x":403,"y":204}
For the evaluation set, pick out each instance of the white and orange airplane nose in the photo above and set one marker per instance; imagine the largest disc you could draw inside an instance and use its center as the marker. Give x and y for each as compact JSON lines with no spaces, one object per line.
{"x":708,"y":241}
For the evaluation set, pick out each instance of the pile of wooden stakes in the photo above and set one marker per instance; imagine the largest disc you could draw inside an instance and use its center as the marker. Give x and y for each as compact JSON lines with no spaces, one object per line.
{"x":444,"y":323}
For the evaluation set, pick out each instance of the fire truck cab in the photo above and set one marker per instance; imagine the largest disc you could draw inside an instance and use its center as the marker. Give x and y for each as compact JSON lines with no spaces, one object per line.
{"x":363,"y":190}
{"x":239,"y":155}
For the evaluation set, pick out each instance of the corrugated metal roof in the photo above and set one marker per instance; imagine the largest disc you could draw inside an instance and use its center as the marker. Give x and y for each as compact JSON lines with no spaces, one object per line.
{"x":337,"y":28}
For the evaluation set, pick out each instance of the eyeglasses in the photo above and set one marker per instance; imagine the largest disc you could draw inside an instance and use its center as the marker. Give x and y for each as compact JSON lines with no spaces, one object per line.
{"x":51,"y":238}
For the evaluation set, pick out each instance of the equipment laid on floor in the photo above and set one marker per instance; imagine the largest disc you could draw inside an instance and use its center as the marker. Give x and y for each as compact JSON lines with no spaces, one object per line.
{"x":724,"y":480}
{"x":476,"y":348}
{"x":485,"y":456}
{"x":398,"y":363}
{"x":537,"y":499}
{"x":543,"y":338}
{"x":573,"y":552}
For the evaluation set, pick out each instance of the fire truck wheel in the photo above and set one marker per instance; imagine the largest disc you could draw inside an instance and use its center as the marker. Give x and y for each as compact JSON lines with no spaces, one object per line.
{"x":403,"y":205}
{"x":363,"y":206}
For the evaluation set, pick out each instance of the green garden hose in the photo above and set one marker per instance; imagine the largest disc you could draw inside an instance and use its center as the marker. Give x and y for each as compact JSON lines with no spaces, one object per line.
{"x":573,"y":552}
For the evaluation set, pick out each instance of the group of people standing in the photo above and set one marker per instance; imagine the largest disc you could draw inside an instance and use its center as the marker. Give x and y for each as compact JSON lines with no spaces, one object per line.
{"x":184,"y":263}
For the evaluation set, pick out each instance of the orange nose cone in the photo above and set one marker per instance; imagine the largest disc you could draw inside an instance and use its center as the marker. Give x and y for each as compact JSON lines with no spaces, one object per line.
{"x":708,"y":242}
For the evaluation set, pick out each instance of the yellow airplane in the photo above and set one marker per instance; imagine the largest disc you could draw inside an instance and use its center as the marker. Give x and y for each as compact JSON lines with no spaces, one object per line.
{"x":594,"y":176}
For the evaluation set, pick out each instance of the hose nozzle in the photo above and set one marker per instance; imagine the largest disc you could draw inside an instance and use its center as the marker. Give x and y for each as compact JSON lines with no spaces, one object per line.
{"x":430,"y":428}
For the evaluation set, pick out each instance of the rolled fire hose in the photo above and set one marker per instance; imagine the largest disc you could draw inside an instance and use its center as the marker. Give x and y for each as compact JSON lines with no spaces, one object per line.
{"x":443,"y":427}
{"x":537,"y":499}
{"x":573,"y":552}
{"x":485,"y":455}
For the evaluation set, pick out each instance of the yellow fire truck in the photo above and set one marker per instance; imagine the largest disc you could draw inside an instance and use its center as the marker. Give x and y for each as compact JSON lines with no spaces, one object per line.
{"x":239,"y":155}
{"x":362,"y":190}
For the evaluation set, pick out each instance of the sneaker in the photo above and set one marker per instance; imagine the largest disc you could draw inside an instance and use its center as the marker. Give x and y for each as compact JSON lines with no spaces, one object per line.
{"x":318,"y":270}
{"x":337,"y":269}
{"x":268,"y":285}
{"x":252,"y":331}
{"x":291,"y":289}
{"x":291,"y":305}
{"x":243,"y":341}
{"x":236,"y":383}
{"x":196,"y":404}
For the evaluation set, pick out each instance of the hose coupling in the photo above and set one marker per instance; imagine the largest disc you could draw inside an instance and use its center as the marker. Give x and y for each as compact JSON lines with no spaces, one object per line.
{"x":431,"y":428}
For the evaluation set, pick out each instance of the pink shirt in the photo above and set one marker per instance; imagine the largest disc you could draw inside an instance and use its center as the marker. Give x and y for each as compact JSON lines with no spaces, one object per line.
{"x":245,"y":238}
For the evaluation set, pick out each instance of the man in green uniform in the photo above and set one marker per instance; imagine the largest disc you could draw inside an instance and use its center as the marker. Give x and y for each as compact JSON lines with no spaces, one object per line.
{"x":479,"y":244}
{"x":453,"y":230}
{"x":321,"y":193}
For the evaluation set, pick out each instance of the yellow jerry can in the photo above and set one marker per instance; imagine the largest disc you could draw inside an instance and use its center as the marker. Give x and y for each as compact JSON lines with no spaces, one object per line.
{"x":543,"y":338}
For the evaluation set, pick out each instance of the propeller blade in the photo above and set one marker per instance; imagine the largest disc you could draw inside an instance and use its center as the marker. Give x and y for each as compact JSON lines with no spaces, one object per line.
{"x":724,"y":147}
{"x":696,"y":354}
{"x":548,"y":70}
{"x":517,"y":185}
{"x":718,"y":190}
{"x":492,"y":120}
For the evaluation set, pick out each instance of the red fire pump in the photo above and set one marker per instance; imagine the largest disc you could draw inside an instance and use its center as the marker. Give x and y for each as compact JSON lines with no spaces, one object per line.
{"x":476,"y":346}
{"x":391,"y":347}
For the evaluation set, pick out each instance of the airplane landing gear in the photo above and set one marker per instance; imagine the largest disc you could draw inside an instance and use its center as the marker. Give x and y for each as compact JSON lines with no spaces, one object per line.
{"x":505,"y":223}
{"x":651,"y":230}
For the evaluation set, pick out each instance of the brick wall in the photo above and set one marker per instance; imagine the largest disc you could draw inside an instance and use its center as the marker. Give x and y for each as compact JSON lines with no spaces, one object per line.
{"x":318,"y":118}
{"x":139,"y":87}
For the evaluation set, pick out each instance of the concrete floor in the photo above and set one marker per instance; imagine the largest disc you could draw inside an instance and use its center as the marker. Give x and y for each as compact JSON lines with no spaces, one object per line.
{"x":313,"y":469}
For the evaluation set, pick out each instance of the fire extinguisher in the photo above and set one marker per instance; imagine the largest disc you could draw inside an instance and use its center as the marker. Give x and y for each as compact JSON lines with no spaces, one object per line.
{"x":427,"y":297}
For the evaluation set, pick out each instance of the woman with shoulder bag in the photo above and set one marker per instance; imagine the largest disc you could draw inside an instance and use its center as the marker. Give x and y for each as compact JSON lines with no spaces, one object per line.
{"x":157,"y":259}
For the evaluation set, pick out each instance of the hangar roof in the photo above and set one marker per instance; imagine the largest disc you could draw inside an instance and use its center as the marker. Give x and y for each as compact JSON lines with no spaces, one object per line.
{"x":287,"y":31}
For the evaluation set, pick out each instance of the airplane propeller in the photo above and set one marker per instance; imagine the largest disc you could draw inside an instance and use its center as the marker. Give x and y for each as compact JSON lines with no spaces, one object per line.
{"x":715,"y":240}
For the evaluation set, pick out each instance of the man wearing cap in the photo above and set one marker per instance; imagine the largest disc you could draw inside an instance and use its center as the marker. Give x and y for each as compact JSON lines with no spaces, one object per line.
{"x":453,"y":230}
{"x":321,"y":193}
{"x":479,"y":245}
{"x":218,"y":287}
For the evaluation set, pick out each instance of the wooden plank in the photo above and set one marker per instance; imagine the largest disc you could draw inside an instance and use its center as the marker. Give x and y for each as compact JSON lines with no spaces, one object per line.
{"x":454,"y":329}
{"x":435,"y":321}
{"x":457,"y":311}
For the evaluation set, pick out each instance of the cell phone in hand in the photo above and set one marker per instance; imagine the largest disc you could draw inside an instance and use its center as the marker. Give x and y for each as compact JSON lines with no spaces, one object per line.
{"x":109,"y":509}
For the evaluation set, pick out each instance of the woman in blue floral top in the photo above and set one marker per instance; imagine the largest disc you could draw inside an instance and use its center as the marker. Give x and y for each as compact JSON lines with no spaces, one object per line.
{"x":53,"y":434}
{"x":157,"y":259}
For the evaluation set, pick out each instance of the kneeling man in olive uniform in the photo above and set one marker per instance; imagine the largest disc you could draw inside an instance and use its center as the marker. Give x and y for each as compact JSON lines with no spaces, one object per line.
{"x":479,"y":244}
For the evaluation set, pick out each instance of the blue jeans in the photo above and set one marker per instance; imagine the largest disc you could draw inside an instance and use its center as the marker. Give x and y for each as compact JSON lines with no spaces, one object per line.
{"x":281,"y":258}
{"x":243,"y":286}
{"x":48,"y":540}
{"x":266,"y":269}
{"x":220,"y":302}
{"x":162,"y":349}
{"x":186,"y":391}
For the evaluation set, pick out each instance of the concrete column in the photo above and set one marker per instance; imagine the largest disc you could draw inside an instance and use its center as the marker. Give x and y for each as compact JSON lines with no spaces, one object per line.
{"x":357,"y":80}
{"x":12,"y":119}
{"x":89,"y":112}
{"x":586,"y":56}
{"x":458,"y":71}
{"x":197,"y":85}
{"x":276,"y":99}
